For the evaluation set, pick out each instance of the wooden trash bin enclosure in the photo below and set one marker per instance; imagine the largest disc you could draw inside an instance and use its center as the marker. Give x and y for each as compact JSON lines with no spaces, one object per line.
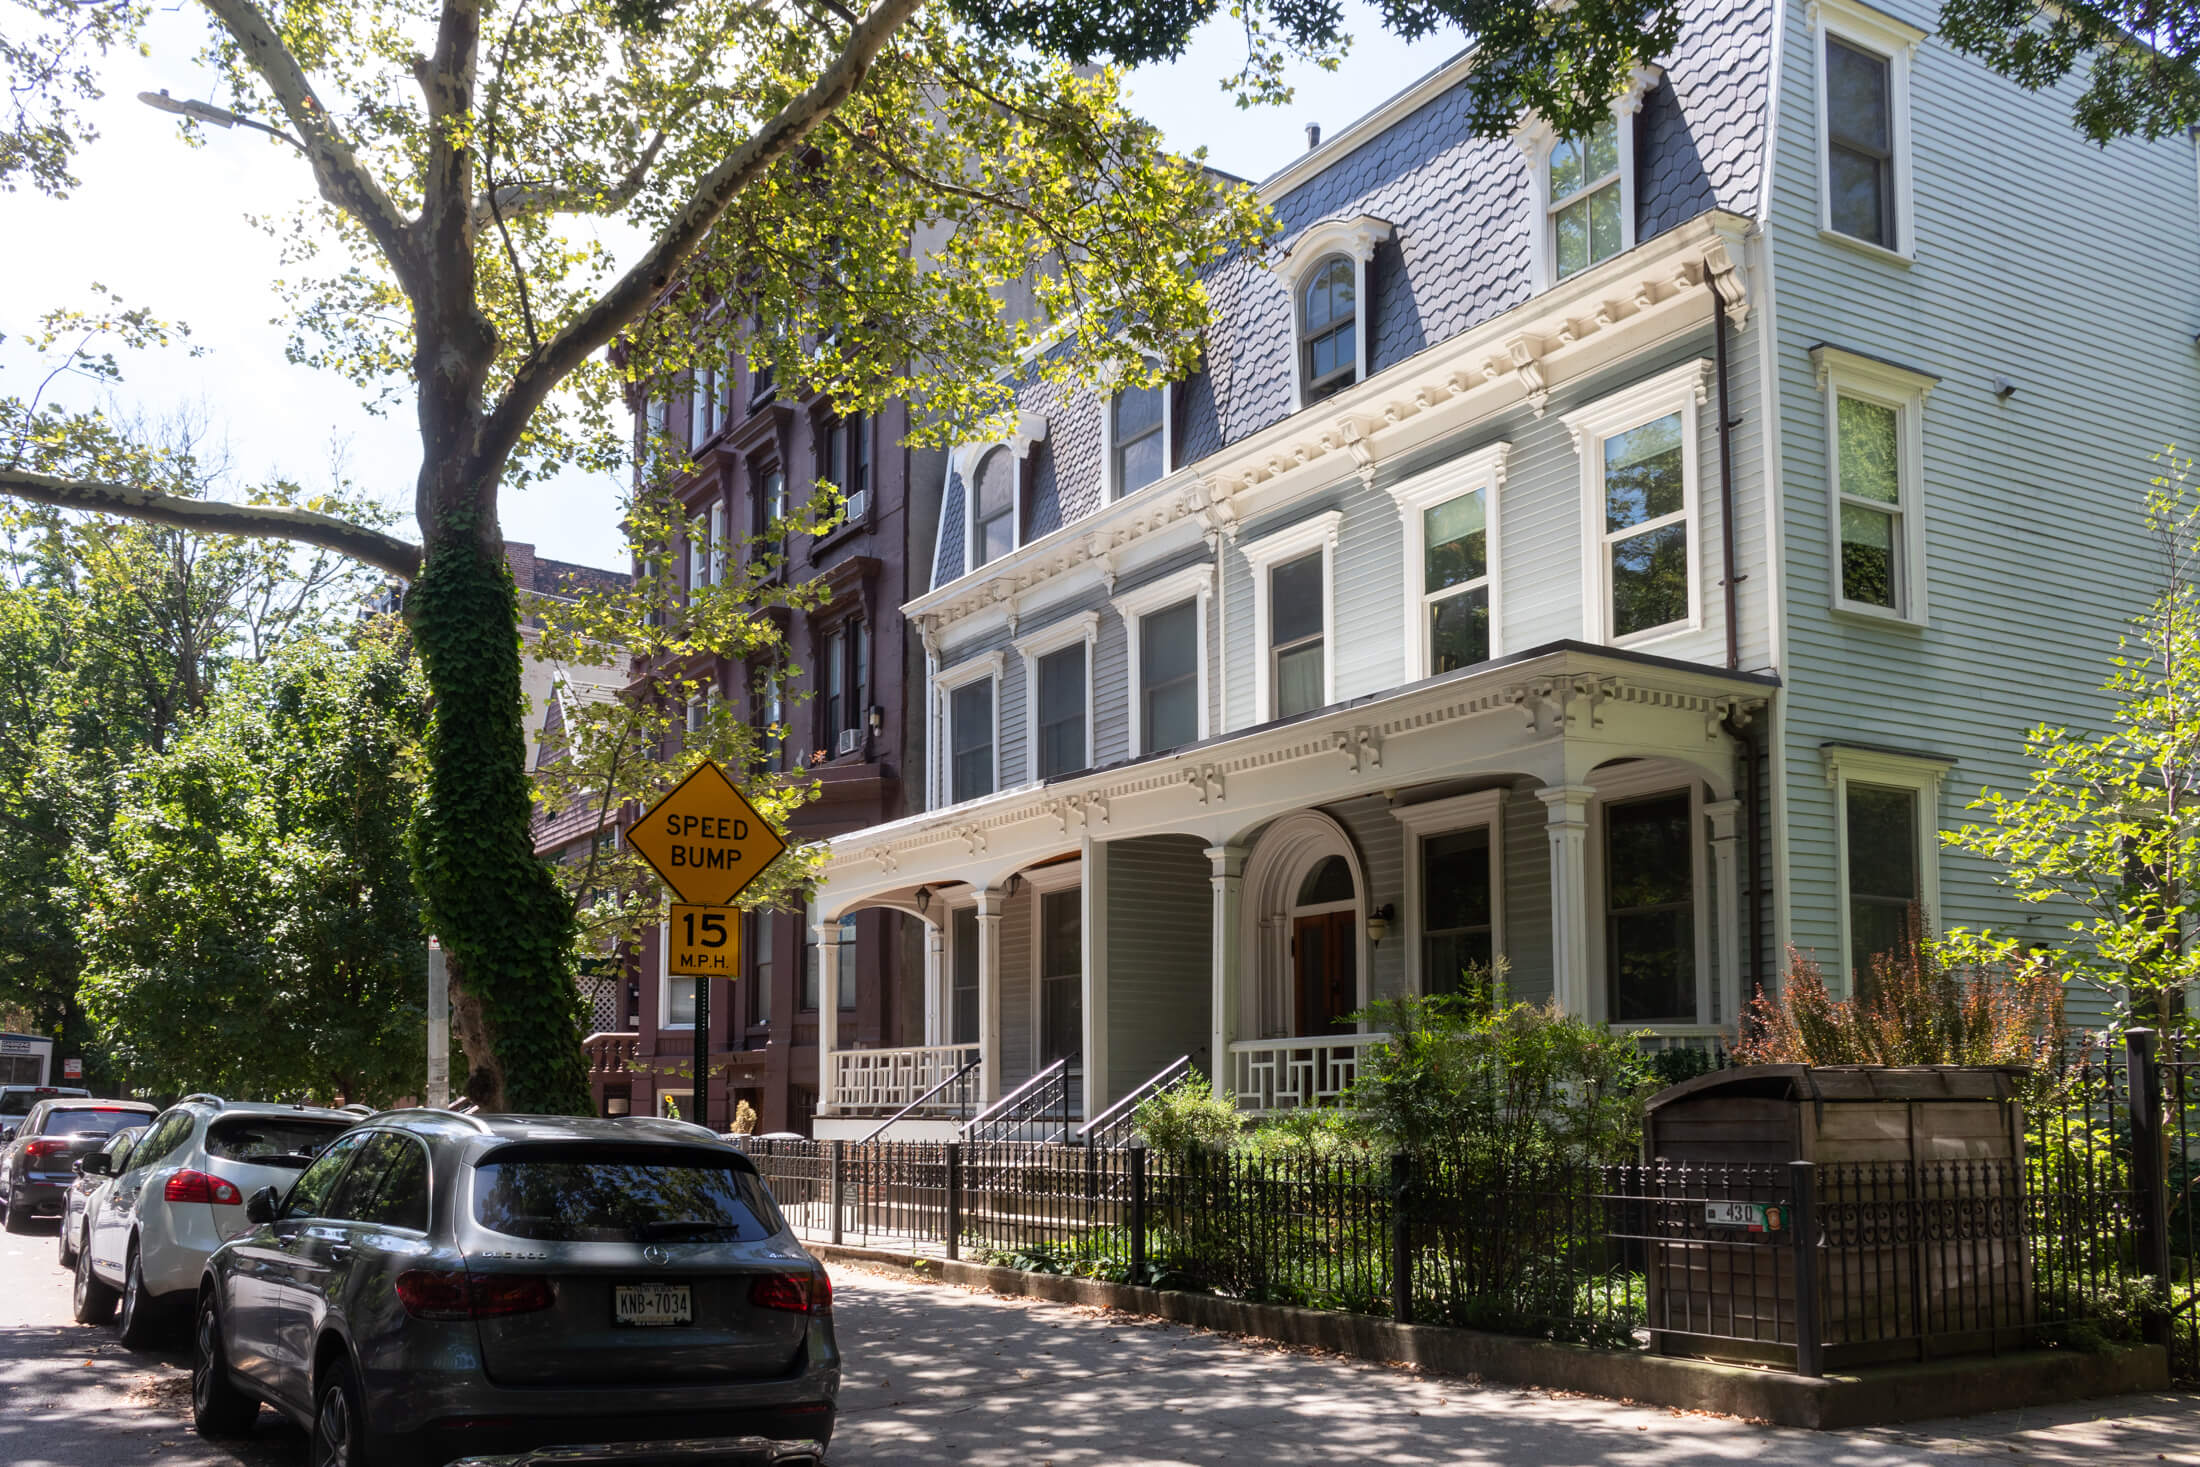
{"x":1918,"y":1216}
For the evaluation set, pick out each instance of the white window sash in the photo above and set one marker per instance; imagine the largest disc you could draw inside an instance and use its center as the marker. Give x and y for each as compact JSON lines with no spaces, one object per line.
{"x":1682,"y":390}
{"x":1357,"y":238}
{"x":1263,"y":555}
{"x":1483,"y":470}
{"x":1537,"y":139}
{"x":945,"y":683}
{"x":1036,"y":648}
{"x":1868,"y":29}
{"x":1850,"y":374}
{"x":1193,"y":583}
{"x":1923,"y":774}
{"x":664,"y":981}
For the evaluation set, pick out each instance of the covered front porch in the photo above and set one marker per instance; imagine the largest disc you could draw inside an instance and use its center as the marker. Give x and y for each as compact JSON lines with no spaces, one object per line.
{"x":1572,"y":811}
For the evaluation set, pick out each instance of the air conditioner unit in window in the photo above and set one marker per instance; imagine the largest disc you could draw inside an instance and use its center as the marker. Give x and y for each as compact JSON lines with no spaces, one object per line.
{"x":851,"y":739}
{"x":859,"y":506}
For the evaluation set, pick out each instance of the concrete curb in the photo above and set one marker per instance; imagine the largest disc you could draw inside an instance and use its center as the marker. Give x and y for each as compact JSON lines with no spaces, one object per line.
{"x":1875,"y":1397}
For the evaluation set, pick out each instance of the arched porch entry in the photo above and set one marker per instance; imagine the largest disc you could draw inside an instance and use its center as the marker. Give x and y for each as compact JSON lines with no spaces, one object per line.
{"x":1303,"y":936}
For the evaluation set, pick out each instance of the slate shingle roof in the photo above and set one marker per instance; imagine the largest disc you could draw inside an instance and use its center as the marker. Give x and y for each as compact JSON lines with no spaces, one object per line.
{"x":1459,"y":255}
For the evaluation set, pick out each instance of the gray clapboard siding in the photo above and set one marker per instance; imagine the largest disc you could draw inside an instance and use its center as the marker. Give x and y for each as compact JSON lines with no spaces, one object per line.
{"x":1160,"y":980}
{"x":1019,"y":960}
{"x":2035,"y":558}
{"x":1381,"y":843}
{"x":1527,"y":896}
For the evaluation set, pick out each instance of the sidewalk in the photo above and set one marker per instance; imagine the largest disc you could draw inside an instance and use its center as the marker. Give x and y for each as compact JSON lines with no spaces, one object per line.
{"x":940,"y":1374}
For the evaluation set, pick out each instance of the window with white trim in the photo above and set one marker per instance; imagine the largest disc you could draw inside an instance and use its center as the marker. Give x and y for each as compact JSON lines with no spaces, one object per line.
{"x":992,"y":528}
{"x":1454,"y":889}
{"x":704,"y":395}
{"x":761,"y":966}
{"x":1329,"y":328}
{"x":969,"y":695}
{"x":1451,"y":534}
{"x":1650,"y":901}
{"x":1293,"y":578}
{"x":1863,"y":59}
{"x":1165,"y":624}
{"x":1138,"y":438}
{"x":1058,"y":695}
{"x":1887,"y":805}
{"x":1585,"y":199}
{"x":1875,"y":464}
{"x":1639,"y":486}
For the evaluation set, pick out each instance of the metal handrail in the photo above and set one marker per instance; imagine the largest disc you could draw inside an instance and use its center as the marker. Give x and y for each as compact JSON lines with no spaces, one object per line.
{"x":1029,"y":1099}
{"x":1102,"y":1128}
{"x":927,"y":1095}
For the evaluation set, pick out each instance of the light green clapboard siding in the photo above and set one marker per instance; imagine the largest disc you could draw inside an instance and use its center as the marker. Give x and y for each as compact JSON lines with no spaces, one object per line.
{"x":2075,"y":272}
{"x":1160,"y":978}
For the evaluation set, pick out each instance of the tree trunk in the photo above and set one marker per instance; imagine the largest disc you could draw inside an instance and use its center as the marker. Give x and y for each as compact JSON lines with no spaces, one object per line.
{"x":505,"y":928}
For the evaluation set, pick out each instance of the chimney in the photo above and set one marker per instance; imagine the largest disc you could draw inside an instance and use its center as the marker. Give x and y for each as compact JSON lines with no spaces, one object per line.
{"x":1313,"y":136}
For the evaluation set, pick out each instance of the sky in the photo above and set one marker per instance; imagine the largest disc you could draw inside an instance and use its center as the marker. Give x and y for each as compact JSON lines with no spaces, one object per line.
{"x":169,"y":228}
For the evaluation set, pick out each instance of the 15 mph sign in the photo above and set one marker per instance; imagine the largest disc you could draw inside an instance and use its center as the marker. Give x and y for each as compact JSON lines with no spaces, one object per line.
{"x":705,"y":840}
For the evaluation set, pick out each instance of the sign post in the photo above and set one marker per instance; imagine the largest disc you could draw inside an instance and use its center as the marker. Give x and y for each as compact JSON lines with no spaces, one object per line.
{"x":439,"y":1026}
{"x":708,"y":843}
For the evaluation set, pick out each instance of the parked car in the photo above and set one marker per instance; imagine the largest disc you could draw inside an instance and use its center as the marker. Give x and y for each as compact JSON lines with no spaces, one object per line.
{"x":440,"y":1286}
{"x":16,"y":1102}
{"x":38,"y":1166}
{"x":92,"y":1173}
{"x":182,"y":1195}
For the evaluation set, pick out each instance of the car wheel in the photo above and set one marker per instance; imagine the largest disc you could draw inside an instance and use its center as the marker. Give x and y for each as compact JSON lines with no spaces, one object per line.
{"x":140,"y":1310}
{"x":19,"y":1214}
{"x":61,"y":1244}
{"x":218,"y":1408}
{"x":95,"y":1302}
{"x":339,"y":1425}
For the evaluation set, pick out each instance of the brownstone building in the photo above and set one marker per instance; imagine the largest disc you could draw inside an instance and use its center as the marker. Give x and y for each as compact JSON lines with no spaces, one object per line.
{"x":850,"y":694}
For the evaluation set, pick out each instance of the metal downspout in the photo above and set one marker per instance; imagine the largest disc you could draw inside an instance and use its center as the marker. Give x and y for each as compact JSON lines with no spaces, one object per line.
{"x":1726,"y":476}
{"x":1745,"y":734}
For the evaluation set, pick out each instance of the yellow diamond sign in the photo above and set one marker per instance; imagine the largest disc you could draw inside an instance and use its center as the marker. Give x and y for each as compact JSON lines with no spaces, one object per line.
{"x":705,"y":840}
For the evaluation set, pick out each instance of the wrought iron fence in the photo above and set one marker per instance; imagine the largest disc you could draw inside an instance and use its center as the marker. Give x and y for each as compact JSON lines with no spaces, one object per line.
{"x":1790,"y":1265}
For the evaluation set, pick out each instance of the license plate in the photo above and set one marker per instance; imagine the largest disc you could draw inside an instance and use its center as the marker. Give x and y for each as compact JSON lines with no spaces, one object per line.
{"x":652,"y":1304}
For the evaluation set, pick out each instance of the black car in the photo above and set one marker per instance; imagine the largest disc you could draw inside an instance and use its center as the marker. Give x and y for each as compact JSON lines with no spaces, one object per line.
{"x":38,"y":1166}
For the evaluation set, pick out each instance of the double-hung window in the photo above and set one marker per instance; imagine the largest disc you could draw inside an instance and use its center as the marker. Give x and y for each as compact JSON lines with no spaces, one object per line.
{"x":1454,"y":858}
{"x":1058,"y":695}
{"x":1888,"y":805}
{"x":962,"y":998}
{"x":1585,"y":198}
{"x":1650,"y":909}
{"x":675,"y":994}
{"x":703,"y":399}
{"x":1292,"y":577}
{"x":835,"y":689}
{"x":1329,"y":327}
{"x":1138,"y":440}
{"x":993,"y":508}
{"x":1863,"y":124}
{"x":969,"y":699}
{"x":1165,"y":624}
{"x":1639,"y":483}
{"x":1450,"y":515}
{"x":1875,"y":461}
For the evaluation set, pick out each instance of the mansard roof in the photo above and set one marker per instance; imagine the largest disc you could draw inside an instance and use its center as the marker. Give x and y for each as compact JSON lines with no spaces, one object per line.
{"x":1458,"y":253}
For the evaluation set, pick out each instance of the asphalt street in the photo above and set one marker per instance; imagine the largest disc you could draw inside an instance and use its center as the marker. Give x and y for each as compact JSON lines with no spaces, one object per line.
{"x":939,"y":1374}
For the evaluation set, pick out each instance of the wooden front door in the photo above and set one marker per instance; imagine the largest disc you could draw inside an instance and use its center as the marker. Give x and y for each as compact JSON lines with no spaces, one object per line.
{"x":1326,"y":960}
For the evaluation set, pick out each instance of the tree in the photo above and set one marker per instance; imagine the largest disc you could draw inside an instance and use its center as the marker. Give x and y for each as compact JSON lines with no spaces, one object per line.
{"x":2107,"y":829}
{"x":779,"y":162}
{"x":252,"y":924}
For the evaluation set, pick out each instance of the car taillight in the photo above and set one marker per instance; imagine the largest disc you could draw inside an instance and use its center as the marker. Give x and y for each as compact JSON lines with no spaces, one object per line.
{"x":191,"y":1186}
{"x":40,"y":1150}
{"x":797,"y":1293}
{"x":428,"y":1294}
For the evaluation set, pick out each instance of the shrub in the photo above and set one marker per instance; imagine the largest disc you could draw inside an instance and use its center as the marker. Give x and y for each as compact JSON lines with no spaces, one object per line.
{"x":1470,"y":1073}
{"x":1188,"y":1118}
{"x":1917,"y":1008}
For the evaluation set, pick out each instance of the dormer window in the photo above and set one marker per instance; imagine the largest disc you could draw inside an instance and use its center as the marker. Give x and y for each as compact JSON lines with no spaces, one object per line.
{"x":1585,"y":198}
{"x":1138,"y":438}
{"x":993,"y":508}
{"x":1329,"y":329}
{"x":1326,"y":270}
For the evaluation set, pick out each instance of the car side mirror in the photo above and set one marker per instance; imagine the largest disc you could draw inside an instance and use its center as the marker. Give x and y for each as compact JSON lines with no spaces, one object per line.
{"x":260,"y":1206}
{"x":98,"y":1164}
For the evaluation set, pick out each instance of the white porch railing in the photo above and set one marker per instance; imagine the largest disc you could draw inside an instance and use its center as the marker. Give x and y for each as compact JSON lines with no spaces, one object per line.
{"x":885,"y":1080}
{"x":1294,"y":1074}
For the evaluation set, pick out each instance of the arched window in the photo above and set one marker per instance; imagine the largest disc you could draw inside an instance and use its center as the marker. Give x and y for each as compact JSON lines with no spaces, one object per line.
{"x":1329,"y":882}
{"x":993,"y":508}
{"x":1329,"y":328}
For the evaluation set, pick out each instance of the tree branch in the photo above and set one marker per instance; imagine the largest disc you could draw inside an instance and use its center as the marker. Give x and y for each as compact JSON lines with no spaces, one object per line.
{"x":217,"y":517}
{"x":344,"y":181}
{"x":596,"y":327}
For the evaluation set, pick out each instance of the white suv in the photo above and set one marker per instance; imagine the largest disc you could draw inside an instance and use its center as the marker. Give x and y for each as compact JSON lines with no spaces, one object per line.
{"x":182,"y":1197}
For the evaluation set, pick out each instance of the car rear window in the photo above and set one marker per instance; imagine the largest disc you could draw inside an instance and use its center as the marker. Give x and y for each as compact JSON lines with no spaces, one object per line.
{"x":91,"y":1122}
{"x":291,"y":1141}
{"x":619,"y":1193}
{"x":19,"y":1102}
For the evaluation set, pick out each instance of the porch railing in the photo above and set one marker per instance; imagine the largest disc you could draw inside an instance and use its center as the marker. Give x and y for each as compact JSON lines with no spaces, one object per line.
{"x":610,"y":1053}
{"x":883,"y":1081}
{"x":1296,"y":1073}
{"x":1042,"y":1104}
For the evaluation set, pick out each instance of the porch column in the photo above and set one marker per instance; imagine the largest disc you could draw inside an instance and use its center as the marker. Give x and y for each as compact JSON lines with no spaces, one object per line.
{"x":1093,"y":925}
{"x":935,"y":1002}
{"x":1567,"y":824}
{"x":989,"y":994}
{"x":828,"y":1010}
{"x":1227,"y":878}
{"x":1725,"y":872}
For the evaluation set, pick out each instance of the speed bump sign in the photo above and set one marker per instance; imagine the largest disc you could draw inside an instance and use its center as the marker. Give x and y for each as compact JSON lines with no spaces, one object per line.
{"x":705,"y":942}
{"x":705,"y":839}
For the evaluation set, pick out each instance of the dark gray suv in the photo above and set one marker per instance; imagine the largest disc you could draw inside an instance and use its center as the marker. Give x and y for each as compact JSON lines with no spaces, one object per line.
{"x":439,"y":1286}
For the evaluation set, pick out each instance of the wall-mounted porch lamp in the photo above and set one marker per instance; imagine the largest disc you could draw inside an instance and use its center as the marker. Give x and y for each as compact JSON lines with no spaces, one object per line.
{"x":1378,"y":923}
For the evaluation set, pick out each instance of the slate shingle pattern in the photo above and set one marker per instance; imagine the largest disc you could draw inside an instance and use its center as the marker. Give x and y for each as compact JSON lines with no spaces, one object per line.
{"x":1459,"y":255}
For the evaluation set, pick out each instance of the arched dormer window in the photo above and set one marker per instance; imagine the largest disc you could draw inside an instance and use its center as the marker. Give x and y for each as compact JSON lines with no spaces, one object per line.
{"x":993,"y":508}
{"x":1326,"y":270}
{"x":1329,"y":328}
